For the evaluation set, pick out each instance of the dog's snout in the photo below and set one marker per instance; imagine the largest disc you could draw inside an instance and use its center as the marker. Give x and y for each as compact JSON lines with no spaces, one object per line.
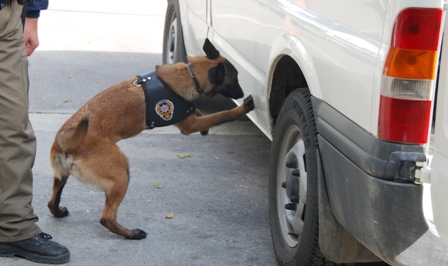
{"x":234,"y":92}
{"x":240,"y":95}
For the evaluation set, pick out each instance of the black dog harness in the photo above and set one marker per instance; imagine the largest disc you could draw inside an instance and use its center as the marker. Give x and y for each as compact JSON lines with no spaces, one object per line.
{"x":163,"y":106}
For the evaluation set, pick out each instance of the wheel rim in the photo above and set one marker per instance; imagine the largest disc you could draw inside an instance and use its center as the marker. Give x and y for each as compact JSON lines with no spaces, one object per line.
{"x":170,"y":46}
{"x":292,"y":220}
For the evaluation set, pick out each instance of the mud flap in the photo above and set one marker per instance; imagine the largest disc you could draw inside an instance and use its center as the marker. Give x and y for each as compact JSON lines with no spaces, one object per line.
{"x":335,"y":242}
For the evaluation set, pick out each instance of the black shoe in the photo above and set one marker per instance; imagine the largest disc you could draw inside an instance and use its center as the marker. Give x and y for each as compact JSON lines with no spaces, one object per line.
{"x":38,"y":248}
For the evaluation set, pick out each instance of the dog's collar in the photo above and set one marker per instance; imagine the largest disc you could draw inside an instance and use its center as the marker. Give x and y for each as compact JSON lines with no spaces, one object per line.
{"x":195,"y":80}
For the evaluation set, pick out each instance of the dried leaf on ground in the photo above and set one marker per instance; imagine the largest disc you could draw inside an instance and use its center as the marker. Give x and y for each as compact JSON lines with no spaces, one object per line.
{"x":184,"y":155}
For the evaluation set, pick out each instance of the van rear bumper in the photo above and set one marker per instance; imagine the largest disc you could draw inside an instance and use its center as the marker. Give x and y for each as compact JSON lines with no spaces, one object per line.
{"x":371,"y":192}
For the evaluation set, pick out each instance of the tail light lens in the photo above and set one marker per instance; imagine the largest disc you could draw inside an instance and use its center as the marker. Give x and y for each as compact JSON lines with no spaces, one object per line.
{"x":408,"y":77}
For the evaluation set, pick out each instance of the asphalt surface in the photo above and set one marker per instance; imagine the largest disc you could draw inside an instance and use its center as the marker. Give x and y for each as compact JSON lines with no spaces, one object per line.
{"x":218,"y":195}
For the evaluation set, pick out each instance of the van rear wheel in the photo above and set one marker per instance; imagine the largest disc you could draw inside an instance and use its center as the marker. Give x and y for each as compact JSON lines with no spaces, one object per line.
{"x":293,"y":196}
{"x":293,"y":209}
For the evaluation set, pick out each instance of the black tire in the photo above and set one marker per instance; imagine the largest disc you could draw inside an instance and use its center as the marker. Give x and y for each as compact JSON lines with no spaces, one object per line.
{"x":295,"y":232}
{"x":173,"y":38}
{"x":295,"y":125}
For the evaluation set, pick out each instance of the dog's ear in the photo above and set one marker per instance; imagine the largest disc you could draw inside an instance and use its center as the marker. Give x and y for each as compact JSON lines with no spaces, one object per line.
{"x":217,"y":74}
{"x":210,"y":50}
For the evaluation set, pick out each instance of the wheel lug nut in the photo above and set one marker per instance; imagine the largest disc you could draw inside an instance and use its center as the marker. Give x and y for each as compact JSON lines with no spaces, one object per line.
{"x":284,"y":185}
{"x":295,"y":199}
{"x":295,"y":172}
{"x":291,"y":164}
{"x":292,"y":234}
{"x":290,"y":206}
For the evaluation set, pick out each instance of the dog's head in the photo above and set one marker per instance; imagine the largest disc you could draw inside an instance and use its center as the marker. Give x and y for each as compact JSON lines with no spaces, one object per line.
{"x":222,"y":75}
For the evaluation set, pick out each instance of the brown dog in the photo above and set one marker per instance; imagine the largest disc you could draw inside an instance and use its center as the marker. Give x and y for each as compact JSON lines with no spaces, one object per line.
{"x":85,"y":146}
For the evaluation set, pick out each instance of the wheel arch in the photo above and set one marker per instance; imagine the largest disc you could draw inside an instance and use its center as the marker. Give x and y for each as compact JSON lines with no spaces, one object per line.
{"x":291,"y":68}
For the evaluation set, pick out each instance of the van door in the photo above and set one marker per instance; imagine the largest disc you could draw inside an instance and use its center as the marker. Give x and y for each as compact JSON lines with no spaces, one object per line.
{"x":439,"y":164}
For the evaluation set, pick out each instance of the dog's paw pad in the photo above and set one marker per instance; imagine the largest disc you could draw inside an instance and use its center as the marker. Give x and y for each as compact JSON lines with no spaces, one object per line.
{"x":248,"y":98}
{"x":249,"y":103}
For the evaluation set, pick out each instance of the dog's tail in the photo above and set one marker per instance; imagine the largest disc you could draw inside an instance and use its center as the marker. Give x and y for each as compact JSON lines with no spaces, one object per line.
{"x":71,"y":138}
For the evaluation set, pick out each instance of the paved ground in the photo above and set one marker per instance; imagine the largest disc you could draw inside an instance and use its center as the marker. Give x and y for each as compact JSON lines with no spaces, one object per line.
{"x":218,"y":195}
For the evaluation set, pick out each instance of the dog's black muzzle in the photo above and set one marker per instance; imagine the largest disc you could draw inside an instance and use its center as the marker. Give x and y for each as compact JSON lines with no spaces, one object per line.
{"x":233,"y":91}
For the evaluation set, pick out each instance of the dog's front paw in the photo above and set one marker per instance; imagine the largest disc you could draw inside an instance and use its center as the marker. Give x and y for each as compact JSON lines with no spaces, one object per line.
{"x":204,"y":132}
{"x":249,"y":104}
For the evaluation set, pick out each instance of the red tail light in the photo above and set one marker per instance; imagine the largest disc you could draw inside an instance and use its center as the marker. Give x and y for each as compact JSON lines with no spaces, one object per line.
{"x":408,"y":77}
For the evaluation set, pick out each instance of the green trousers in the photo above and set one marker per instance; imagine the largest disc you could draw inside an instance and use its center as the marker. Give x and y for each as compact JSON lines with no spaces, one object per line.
{"x":17,"y":140}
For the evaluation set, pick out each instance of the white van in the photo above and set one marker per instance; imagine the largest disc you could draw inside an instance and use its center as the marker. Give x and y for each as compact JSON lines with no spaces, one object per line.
{"x":346,"y":92}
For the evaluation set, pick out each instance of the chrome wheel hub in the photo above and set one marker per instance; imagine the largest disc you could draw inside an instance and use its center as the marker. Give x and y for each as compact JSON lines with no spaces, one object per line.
{"x":292,"y":186}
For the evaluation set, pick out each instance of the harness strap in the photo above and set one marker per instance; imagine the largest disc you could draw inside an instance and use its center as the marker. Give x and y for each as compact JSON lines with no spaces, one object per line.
{"x":163,"y":106}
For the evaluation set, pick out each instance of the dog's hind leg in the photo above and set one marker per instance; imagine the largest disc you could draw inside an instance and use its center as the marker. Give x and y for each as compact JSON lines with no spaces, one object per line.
{"x":109,"y":217}
{"x":117,"y":175}
{"x":53,"y":204}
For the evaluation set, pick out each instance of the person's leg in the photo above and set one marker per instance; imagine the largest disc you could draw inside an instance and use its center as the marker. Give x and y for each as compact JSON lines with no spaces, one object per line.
{"x":19,"y":234}
{"x":17,"y":141}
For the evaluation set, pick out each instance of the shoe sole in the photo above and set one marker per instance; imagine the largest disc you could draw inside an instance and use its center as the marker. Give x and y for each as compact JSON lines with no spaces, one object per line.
{"x":10,"y":252}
